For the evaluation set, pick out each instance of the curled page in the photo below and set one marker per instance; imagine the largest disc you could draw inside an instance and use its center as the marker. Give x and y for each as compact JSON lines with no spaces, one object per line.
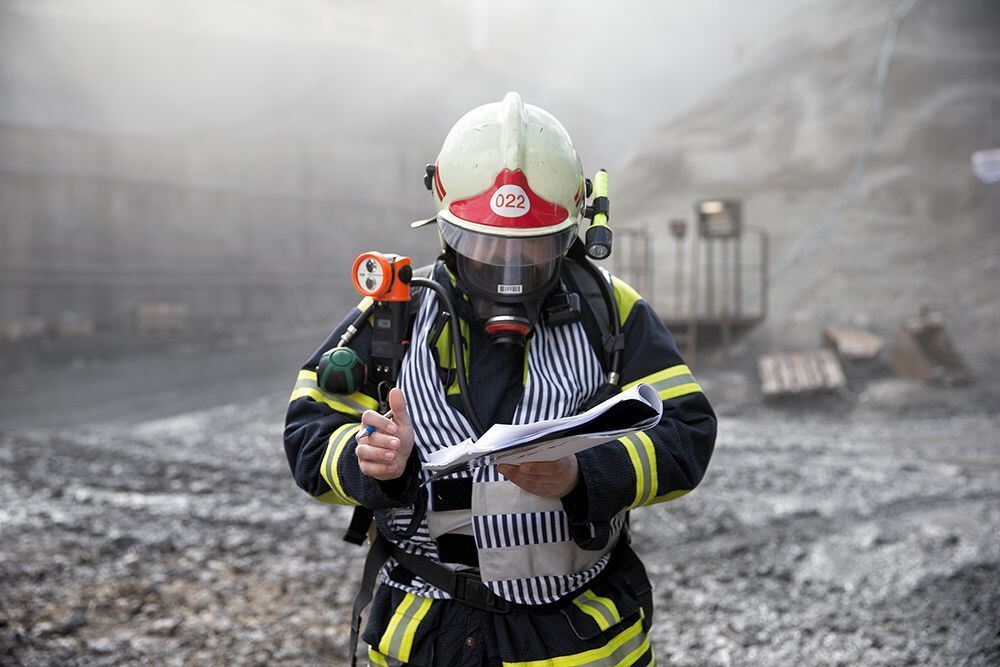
{"x":634,"y":409}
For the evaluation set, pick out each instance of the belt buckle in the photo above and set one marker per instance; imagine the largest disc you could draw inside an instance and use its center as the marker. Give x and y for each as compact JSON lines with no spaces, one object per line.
{"x":470,"y":590}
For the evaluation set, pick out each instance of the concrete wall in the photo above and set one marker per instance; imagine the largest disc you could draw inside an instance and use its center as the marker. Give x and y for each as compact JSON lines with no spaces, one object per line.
{"x":238,"y":230}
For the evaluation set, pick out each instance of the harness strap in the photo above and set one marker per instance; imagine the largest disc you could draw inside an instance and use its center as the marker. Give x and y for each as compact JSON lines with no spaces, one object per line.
{"x":361,"y":520}
{"x":464,"y":586}
{"x":378,"y":554}
{"x":635,"y":574}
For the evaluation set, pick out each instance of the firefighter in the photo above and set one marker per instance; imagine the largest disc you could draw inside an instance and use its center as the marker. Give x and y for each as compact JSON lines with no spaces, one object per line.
{"x":506,"y":565}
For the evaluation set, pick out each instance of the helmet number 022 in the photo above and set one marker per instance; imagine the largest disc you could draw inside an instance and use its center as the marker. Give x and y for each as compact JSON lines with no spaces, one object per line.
{"x":510,"y":201}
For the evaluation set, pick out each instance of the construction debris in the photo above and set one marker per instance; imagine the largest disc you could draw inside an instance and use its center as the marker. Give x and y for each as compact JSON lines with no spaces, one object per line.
{"x":852,"y":344}
{"x":922,"y":349}
{"x":799,"y":373}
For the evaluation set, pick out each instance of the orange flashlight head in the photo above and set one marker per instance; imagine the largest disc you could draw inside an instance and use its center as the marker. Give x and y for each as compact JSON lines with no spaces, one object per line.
{"x":383,"y":277}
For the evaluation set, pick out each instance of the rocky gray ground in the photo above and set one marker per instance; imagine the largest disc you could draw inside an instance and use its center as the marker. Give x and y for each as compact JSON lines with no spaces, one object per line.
{"x":823,"y":534}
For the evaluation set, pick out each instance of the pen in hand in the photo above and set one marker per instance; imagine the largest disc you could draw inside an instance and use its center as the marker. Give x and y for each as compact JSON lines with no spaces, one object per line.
{"x":384,"y":442}
{"x":370,"y":428}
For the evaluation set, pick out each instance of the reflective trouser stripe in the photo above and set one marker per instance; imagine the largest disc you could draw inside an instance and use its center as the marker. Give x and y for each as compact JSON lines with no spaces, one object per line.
{"x":306,"y":386}
{"x":601,"y":609}
{"x":627,"y":647}
{"x":376,"y":658}
{"x":670,"y":383}
{"x":328,"y":466}
{"x":643,"y":456}
{"x":397,"y":641}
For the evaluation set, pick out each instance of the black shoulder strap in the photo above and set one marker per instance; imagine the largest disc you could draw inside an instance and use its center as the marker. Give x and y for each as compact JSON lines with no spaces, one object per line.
{"x":597,"y":326}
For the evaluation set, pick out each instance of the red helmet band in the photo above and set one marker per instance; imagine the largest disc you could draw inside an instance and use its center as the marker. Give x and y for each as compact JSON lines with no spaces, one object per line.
{"x":509,"y":204}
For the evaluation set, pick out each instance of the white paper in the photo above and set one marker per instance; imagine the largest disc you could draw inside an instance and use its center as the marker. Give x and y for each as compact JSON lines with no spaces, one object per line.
{"x":547,"y":440}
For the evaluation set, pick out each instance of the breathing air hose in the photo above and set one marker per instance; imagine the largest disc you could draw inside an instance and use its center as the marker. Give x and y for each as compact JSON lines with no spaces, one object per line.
{"x":459,"y":348}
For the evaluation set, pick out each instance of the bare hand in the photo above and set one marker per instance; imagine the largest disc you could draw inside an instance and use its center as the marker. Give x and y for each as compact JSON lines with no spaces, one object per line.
{"x":383,"y":454}
{"x":549,"y":479}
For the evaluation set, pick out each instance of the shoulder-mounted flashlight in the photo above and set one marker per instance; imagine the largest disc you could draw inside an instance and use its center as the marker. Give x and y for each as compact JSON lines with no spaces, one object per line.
{"x":598,"y":237}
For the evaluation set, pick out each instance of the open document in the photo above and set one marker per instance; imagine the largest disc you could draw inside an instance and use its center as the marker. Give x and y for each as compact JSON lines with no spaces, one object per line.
{"x":635,"y":409}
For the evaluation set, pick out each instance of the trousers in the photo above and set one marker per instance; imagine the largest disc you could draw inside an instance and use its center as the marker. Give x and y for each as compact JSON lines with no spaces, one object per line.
{"x":602,"y":625}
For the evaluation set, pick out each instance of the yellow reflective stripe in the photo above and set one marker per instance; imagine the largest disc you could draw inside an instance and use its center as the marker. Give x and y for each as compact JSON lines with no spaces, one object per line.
{"x":665,"y":374}
{"x":385,"y":644}
{"x":652,"y":480}
{"x":626,"y":298}
{"x":639,"y":651}
{"x":670,"y":382}
{"x":624,"y":649}
{"x":330,"y":496}
{"x":607,"y":603}
{"x":642,"y":453}
{"x":328,"y":466}
{"x":411,"y":629}
{"x":594,"y":612}
{"x":397,"y":642}
{"x":601,"y":609}
{"x":640,"y":480}
{"x":680,"y":390}
{"x":673,"y":495}
{"x":377,"y":658}
{"x":352,"y":404}
{"x":364,"y":303}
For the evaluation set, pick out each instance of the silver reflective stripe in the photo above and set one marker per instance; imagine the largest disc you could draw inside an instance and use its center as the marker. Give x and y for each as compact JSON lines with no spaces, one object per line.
{"x":506,"y":498}
{"x":634,"y":644}
{"x":595,"y":606}
{"x":379,"y":660}
{"x":458,"y":522}
{"x":403,"y":622}
{"x":647,"y":471}
{"x":307,"y":383}
{"x":676,"y":381}
{"x":535,"y":560}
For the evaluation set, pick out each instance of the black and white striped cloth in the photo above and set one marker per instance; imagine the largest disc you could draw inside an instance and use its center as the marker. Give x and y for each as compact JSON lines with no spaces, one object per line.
{"x":563,"y":372}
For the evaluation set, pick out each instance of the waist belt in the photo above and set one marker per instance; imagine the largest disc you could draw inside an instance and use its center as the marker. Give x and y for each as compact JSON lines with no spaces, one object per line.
{"x":464,"y":586}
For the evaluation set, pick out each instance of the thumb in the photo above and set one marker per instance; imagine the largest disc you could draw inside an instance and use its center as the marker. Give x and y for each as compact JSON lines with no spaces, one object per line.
{"x":397,"y":402}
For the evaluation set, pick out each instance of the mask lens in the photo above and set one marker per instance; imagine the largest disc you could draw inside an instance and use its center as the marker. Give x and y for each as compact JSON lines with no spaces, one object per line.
{"x":499,"y":266}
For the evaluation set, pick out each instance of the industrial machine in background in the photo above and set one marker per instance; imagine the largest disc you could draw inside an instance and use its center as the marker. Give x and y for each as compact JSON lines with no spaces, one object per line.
{"x":715,"y":285}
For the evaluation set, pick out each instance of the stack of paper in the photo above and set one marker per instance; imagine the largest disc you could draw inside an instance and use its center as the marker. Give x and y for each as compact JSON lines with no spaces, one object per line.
{"x":635,"y":409}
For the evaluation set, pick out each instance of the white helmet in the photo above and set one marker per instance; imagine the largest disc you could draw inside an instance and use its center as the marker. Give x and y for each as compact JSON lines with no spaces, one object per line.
{"x":510,"y":195}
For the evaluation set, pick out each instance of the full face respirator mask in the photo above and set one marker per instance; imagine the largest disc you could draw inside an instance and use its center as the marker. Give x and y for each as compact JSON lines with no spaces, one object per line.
{"x":507,"y":278}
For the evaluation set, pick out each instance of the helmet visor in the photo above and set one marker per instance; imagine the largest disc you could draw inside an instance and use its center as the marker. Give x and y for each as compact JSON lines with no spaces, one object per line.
{"x":501,"y":266}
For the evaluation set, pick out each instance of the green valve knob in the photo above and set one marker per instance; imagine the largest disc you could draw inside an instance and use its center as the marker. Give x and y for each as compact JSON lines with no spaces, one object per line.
{"x":340,"y":371}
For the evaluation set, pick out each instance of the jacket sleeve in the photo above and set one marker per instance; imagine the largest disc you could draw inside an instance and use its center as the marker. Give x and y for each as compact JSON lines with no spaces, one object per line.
{"x":661,"y":463}
{"x":319,"y":436}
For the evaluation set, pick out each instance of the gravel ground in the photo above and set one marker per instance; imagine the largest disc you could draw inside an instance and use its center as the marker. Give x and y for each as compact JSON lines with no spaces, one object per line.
{"x":817,"y":537}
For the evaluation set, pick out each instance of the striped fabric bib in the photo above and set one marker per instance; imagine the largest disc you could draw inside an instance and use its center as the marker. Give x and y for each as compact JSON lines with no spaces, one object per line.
{"x":526,"y":554}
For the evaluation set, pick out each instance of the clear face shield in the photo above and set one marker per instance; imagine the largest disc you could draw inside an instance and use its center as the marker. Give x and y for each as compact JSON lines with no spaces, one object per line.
{"x":505,"y":268}
{"x":508,"y":277}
